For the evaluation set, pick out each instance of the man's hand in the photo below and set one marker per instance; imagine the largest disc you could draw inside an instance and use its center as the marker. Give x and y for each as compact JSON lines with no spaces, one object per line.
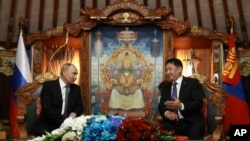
{"x":174,"y":105}
{"x":73,"y":115}
{"x":171,"y":115}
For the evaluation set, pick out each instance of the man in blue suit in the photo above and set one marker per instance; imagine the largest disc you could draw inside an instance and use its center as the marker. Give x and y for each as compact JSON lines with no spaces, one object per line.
{"x":182,"y":113}
{"x":60,"y":99}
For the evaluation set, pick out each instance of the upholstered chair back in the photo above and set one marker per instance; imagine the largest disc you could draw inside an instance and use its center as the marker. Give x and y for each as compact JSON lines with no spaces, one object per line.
{"x":29,"y":106}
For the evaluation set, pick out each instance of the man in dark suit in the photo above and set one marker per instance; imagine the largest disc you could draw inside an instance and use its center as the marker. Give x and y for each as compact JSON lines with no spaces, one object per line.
{"x":55,"y":104}
{"x":182,"y":113}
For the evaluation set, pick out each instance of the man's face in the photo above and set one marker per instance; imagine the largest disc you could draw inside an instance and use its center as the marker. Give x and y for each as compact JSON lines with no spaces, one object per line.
{"x":173,"y":72}
{"x":70,"y":75}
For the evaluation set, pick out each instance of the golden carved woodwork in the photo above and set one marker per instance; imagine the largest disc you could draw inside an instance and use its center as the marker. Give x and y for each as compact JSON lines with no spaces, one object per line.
{"x":212,"y":35}
{"x":25,"y":94}
{"x":126,"y":13}
{"x":39,"y":36}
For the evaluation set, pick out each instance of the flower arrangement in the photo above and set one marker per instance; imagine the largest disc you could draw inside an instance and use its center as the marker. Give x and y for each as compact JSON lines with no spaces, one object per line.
{"x":139,"y":129}
{"x":70,"y":129}
{"x":107,"y":128}
{"x":86,"y":128}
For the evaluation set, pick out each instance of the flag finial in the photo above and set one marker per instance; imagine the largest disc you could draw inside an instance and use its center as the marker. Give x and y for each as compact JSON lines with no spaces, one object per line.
{"x":21,"y":24}
{"x":232,"y":21}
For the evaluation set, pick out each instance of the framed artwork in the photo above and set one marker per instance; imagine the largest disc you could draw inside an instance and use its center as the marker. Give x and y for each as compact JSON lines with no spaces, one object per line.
{"x":126,"y":68}
{"x":7,"y":60}
{"x":244,"y":62}
{"x":216,"y":55}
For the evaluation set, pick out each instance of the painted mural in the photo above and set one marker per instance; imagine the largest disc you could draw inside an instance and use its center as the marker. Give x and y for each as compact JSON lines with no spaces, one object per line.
{"x":126,"y":69}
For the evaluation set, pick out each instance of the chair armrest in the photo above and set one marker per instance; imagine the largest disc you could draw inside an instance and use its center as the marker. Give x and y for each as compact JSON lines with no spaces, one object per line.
{"x":218,"y":133}
{"x":21,"y":119}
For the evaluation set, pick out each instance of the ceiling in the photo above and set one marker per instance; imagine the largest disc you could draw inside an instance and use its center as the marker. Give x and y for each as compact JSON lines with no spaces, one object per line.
{"x":40,"y":15}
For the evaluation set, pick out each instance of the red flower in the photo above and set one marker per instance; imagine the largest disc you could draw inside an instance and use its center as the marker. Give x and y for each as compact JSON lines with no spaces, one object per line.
{"x":138,"y":129}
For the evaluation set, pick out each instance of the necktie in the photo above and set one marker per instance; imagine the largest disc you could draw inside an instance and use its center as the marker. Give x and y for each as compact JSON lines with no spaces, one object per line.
{"x":66,"y":101}
{"x":174,"y":95}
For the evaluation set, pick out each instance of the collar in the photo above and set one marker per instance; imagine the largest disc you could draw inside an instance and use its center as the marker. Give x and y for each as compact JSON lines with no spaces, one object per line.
{"x":179,"y":80}
{"x":61,"y":82}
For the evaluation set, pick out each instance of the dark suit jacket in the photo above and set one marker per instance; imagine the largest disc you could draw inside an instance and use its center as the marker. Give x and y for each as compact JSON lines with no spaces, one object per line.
{"x":191,"y":95}
{"x":51,"y":102}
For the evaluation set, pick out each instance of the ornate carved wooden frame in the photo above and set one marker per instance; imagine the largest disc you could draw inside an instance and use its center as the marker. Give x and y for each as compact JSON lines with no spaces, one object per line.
{"x":25,"y":94}
{"x":122,"y":13}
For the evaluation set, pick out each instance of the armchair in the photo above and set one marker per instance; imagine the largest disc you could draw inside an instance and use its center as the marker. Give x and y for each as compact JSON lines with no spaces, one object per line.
{"x":213,"y":109}
{"x":29,"y":102}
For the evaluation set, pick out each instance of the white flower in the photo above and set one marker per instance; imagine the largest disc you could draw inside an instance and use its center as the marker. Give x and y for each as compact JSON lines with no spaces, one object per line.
{"x":71,"y":128}
{"x":70,"y":136}
{"x":59,"y":131}
{"x":38,"y":138}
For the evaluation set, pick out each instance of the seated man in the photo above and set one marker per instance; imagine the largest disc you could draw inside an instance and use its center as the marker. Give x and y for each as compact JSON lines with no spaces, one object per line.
{"x":60,"y":98}
{"x":181,"y":102}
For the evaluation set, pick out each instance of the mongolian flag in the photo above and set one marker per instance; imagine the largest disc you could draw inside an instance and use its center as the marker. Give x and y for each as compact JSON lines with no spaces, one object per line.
{"x":21,"y":76}
{"x":236,"y":108}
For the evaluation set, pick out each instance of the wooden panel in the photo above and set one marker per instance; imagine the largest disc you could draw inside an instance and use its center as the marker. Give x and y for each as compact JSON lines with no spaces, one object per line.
{"x":185,"y":12}
{"x":94,"y":3}
{"x":55,"y":12}
{"x":69,"y":11}
{"x":41,"y":15}
{"x":145,"y":2}
{"x":13,"y":8}
{"x":171,"y":5}
{"x":198,"y":11}
{"x":226,"y":13}
{"x":107,"y":2}
{"x":242,"y":22}
{"x":85,"y":64}
{"x":188,"y":42}
{"x":27,"y":10}
{"x":158,"y":3}
{"x":211,"y":7}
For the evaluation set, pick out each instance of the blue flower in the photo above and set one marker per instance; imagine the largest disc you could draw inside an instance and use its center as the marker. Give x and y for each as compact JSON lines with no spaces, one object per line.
{"x":102,"y":128}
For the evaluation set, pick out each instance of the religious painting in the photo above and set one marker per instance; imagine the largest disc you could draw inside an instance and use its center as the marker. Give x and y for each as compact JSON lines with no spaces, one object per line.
{"x":7,"y":60}
{"x":244,"y":61}
{"x":127,"y":65}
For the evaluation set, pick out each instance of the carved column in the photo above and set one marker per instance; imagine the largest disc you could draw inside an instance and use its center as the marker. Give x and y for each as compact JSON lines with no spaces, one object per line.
{"x":85,"y":63}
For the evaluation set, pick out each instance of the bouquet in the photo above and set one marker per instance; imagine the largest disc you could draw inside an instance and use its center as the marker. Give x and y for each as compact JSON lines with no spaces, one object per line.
{"x":138,"y":129}
{"x":86,"y":128}
{"x":70,"y":129}
{"x":107,"y":128}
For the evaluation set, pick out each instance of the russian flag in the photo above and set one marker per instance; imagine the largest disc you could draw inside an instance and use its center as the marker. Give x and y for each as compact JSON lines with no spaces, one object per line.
{"x":236,"y":108}
{"x":21,"y":76}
